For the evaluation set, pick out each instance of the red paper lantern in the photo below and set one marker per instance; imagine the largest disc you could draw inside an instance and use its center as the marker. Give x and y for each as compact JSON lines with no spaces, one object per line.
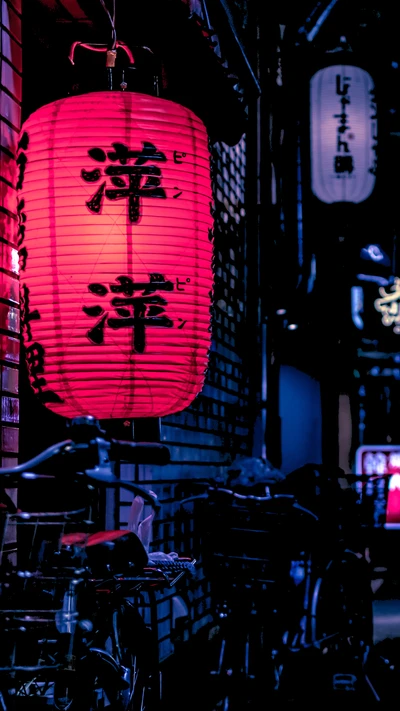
{"x":115,"y":254}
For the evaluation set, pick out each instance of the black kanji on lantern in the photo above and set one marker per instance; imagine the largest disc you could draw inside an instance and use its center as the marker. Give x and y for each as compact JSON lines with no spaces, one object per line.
{"x":22,"y":159}
{"x":343,"y":164}
{"x":27,"y":315}
{"x":34,"y":351}
{"x":21,"y":222}
{"x":343,"y":160}
{"x":132,"y":182}
{"x":35,"y":358}
{"x":21,"y":215}
{"x":133,"y":312}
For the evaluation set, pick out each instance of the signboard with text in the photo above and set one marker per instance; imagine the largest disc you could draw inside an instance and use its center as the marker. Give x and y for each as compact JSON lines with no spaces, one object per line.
{"x":382,"y":464}
{"x":343,"y":116}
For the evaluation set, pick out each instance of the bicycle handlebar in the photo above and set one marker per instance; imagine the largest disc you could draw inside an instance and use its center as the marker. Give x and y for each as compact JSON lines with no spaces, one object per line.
{"x":139,"y":452}
{"x":48,"y":453}
{"x":248,"y":497}
{"x":130,"y":452}
{"x":100,"y":452}
{"x":104,"y":478}
{"x":236,"y":495}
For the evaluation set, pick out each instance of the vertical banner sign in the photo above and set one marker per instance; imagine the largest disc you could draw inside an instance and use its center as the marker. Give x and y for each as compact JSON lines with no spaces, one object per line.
{"x":115,"y":246}
{"x":343,"y":134}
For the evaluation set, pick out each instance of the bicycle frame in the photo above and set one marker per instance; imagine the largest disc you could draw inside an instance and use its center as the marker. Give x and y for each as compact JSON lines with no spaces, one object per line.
{"x":85,"y":459}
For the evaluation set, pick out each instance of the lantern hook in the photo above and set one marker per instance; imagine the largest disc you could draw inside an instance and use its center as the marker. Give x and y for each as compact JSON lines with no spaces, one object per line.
{"x":99,"y":48}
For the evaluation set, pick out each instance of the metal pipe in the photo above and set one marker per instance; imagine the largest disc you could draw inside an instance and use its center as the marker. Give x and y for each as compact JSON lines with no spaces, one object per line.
{"x":205,"y":14}
{"x":320,"y":21}
{"x":239,"y":45}
{"x":264,"y":388}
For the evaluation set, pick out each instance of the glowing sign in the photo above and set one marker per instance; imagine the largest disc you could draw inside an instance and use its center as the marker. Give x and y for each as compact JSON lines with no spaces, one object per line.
{"x":357,"y":306}
{"x":343,"y":134}
{"x":375,"y":254}
{"x":388,"y":306}
{"x":384,"y":461}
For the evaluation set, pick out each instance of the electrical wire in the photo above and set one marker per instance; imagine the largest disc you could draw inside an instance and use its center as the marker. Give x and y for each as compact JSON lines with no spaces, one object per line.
{"x":112,"y":23}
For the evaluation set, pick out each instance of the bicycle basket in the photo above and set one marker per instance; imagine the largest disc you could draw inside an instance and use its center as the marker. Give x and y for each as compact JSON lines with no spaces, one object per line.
{"x":248,"y":542}
{"x":39,"y":583}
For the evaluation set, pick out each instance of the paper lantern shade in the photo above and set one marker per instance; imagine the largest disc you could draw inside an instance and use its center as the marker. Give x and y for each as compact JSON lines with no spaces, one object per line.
{"x":115,"y":234}
{"x":343,"y":134}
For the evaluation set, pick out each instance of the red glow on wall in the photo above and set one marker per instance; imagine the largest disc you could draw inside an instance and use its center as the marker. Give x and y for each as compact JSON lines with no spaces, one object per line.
{"x":115,"y":254}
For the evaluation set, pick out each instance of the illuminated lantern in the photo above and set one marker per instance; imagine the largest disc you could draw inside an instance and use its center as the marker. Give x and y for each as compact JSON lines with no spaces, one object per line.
{"x":343,"y":137}
{"x":115,"y":234}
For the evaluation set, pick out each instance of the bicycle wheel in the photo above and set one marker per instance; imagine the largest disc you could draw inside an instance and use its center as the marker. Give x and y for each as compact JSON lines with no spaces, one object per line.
{"x":25,"y":694}
{"x":335,"y":634}
{"x":137,"y":649}
{"x":96,"y":685}
{"x":341,"y":605}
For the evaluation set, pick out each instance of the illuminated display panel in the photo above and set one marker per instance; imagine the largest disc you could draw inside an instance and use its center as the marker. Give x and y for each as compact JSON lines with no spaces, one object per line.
{"x":381,"y":461}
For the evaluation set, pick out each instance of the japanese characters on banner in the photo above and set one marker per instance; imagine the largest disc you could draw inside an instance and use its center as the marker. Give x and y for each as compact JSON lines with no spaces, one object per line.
{"x":115,"y":244}
{"x":343,"y":140}
{"x":382,"y":464}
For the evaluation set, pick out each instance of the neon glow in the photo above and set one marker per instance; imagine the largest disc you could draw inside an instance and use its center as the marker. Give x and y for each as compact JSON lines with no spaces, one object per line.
{"x":388,"y":306}
{"x":357,"y":306}
{"x":381,"y":461}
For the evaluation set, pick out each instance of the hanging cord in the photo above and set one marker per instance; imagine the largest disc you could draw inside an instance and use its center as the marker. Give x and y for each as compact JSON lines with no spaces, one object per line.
{"x":111,"y":18}
{"x":111,"y":52}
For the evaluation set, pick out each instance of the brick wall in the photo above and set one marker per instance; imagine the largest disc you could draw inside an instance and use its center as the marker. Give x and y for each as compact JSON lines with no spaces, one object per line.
{"x":206,"y":437}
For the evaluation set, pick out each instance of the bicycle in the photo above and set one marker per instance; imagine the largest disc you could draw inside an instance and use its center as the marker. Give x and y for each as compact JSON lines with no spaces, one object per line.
{"x":72,"y":634}
{"x":278,"y":598}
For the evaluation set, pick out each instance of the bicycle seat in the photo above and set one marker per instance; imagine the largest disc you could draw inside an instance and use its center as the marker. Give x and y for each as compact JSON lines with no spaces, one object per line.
{"x":109,"y":552}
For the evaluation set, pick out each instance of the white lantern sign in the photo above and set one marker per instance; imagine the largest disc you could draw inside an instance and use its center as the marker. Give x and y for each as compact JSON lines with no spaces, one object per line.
{"x":343,"y":134}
